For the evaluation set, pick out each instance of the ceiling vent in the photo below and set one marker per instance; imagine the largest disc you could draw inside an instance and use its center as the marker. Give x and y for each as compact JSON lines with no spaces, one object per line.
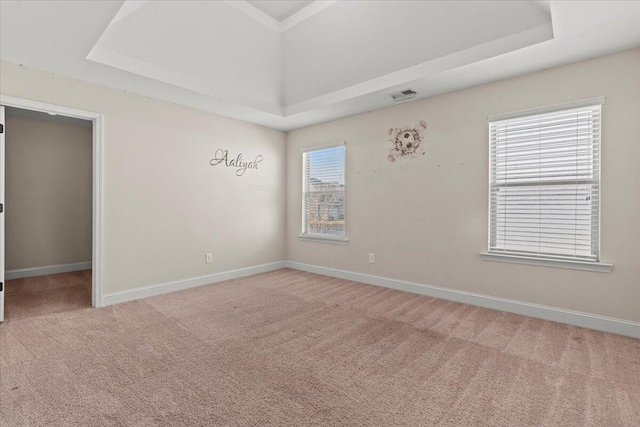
{"x":403,"y":95}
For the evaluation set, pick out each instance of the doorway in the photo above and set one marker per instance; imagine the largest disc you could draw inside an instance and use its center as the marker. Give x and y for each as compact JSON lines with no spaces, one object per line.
{"x":51,"y":220}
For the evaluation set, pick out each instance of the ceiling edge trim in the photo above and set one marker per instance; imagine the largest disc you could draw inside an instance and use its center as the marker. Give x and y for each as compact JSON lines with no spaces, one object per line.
{"x":305,"y":13}
{"x":127,"y":8}
{"x":405,"y":77}
{"x":273,"y":24}
{"x":255,"y":13}
{"x":136,"y":66}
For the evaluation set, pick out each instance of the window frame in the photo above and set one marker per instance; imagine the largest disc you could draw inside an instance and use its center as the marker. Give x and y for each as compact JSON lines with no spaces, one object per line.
{"x":316,"y":237}
{"x":548,"y":260}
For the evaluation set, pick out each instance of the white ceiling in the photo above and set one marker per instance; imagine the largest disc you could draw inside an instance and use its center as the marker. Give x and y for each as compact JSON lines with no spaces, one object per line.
{"x":289,"y":64}
{"x":280,"y":9}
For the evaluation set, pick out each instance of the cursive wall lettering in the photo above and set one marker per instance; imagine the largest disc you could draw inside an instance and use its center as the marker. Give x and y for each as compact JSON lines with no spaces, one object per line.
{"x":240,"y":165}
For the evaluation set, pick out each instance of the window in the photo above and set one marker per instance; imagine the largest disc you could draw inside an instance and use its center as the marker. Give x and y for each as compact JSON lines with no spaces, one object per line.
{"x":544,"y":184}
{"x":323,"y":193}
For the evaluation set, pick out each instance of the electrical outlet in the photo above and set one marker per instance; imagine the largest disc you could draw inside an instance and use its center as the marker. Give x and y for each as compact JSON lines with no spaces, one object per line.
{"x":209,"y":258}
{"x":372,"y":258}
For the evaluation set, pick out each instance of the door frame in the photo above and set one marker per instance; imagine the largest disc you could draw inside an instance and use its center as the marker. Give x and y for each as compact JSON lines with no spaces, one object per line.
{"x":98,"y":180}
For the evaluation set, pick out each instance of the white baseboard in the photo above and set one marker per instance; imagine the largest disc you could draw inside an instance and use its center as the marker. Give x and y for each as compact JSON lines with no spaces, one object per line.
{"x":576,"y":318}
{"x":47,"y":269}
{"x":178,"y":285}
{"x":585,"y":320}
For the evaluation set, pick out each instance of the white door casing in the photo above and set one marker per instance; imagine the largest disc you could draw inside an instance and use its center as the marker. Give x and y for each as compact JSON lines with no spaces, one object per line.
{"x":98,"y":239}
{"x":2,"y":132}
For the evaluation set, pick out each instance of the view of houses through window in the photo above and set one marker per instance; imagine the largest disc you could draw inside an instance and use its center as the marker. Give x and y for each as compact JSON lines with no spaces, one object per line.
{"x":323,"y":188}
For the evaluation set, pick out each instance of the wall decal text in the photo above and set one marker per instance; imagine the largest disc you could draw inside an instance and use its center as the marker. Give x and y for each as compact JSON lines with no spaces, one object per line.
{"x":241,"y":166}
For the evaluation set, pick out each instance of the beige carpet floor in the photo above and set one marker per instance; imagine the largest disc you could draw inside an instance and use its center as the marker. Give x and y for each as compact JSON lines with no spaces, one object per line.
{"x":53,"y":293}
{"x":289,"y":348}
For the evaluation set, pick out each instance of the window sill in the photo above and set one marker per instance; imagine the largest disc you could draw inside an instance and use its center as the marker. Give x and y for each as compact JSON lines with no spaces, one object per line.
{"x":323,"y":239}
{"x":599,"y":267}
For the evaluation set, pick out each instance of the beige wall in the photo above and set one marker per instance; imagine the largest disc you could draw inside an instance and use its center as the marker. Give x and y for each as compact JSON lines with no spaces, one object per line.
{"x":426,"y":219}
{"x":164,"y":205}
{"x":48,"y":193}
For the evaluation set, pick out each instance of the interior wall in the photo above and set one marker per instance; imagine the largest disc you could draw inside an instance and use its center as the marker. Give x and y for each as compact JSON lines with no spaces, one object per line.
{"x":426,"y":219}
{"x":48,"y":216}
{"x":165,"y":206}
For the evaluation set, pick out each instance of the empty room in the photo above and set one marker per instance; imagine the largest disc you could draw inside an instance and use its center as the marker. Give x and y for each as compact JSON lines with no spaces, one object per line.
{"x":319,"y":213}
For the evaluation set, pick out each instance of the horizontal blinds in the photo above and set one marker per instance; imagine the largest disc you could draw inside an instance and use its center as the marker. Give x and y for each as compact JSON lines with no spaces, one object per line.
{"x":323,"y":191}
{"x":545,"y":184}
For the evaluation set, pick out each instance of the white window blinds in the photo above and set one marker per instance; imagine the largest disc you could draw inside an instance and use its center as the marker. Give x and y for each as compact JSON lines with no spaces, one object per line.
{"x":545,"y":184}
{"x":323,"y":192}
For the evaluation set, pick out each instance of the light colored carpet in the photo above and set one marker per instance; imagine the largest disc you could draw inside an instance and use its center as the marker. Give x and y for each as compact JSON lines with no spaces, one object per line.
{"x":53,"y":293}
{"x":289,"y":348}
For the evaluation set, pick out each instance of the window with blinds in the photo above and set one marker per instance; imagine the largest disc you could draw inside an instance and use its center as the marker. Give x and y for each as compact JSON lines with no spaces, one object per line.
{"x":545,"y":184}
{"x":323,"y":192}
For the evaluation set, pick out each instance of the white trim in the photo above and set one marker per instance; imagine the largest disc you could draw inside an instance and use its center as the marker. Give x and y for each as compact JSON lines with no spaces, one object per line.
{"x":497,"y":252}
{"x":127,"y":8}
{"x":599,"y":267}
{"x":323,"y":147}
{"x":256,"y":14}
{"x":597,"y":234}
{"x":178,"y":285}
{"x":585,"y":320}
{"x":590,"y":102}
{"x":21,"y":273}
{"x":399,"y":79}
{"x":98,"y":179}
{"x":320,"y":238}
{"x":2,"y":232}
{"x":133,"y":65}
{"x":11,"y":101}
{"x":272,"y":23}
{"x":98,"y":212}
{"x":305,"y":13}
